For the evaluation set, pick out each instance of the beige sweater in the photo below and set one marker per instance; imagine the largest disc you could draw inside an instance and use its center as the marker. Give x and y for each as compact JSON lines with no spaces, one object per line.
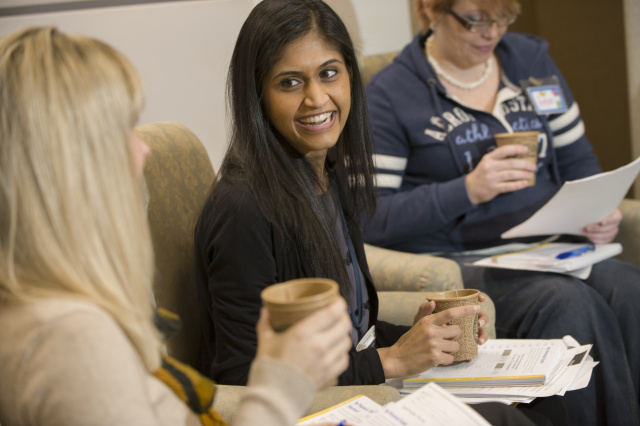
{"x":65,"y":362}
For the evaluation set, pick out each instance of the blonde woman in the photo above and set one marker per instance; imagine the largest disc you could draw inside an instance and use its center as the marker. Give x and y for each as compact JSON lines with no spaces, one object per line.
{"x":77,"y":341}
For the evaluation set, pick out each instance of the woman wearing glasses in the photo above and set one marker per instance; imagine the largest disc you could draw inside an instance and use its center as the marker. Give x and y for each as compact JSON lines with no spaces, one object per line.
{"x":444,"y":187}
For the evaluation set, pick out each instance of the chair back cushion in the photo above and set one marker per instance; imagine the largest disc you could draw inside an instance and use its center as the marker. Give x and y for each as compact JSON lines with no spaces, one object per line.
{"x":370,"y":65}
{"x":178,"y":175}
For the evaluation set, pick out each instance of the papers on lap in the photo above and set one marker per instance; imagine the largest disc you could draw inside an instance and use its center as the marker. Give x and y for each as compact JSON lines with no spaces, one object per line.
{"x":547,"y":367}
{"x":579,"y":203}
{"x":511,"y":370}
{"x":545,"y":258}
{"x":499,"y":362}
{"x":430,"y":405}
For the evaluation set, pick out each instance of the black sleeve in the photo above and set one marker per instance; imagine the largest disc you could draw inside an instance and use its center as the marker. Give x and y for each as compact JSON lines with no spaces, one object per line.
{"x":233,"y":243}
{"x":238,"y":254}
{"x":387,"y":334}
{"x":364,"y":368}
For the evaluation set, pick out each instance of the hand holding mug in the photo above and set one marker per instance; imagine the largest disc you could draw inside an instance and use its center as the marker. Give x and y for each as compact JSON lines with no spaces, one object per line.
{"x":317,"y":345}
{"x":499,"y":172}
{"x":429,"y":343}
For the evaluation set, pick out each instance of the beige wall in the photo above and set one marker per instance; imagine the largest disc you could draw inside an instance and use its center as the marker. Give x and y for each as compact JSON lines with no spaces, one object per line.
{"x":182,"y":48}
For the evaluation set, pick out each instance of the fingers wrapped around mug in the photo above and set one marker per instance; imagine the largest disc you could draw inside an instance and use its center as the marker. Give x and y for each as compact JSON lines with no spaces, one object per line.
{"x":317,"y":345}
{"x":429,"y":343}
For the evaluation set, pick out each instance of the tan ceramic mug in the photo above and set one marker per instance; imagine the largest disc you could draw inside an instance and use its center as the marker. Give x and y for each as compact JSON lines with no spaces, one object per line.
{"x":528,"y":139}
{"x":290,"y":301}
{"x":468,"y":338}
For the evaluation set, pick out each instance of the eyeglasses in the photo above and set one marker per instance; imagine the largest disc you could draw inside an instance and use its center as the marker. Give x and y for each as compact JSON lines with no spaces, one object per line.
{"x":484,"y":25}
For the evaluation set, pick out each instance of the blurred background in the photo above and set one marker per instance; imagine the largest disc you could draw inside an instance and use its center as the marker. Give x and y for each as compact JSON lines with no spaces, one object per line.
{"x":182,"y":49}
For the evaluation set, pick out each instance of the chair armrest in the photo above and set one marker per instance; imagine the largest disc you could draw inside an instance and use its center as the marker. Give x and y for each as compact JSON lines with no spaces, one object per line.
{"x":227,"y":397}
{"x":399,"y":307}
{"x":629,"y":234}
{"x":382,"y":394}
{"x":399,"y":271}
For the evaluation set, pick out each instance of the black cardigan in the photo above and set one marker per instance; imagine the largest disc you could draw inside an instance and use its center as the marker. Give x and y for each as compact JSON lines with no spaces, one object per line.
{"x":237,"y":254}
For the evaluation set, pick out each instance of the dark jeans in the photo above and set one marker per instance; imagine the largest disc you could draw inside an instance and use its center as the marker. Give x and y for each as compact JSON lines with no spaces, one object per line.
{"x":603,"y":310}
{"x":541,"y":412}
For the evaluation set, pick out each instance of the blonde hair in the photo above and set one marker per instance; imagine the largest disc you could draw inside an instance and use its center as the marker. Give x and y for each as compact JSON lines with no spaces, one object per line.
{"x":508,"y":7}
{"x":72,"y":221}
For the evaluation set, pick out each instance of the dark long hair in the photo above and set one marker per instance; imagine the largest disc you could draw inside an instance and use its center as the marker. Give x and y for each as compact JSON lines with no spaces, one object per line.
{"x":283,"y":182}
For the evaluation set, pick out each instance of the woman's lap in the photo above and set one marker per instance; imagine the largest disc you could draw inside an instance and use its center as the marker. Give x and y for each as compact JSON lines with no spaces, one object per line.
{"x":599,"y":310}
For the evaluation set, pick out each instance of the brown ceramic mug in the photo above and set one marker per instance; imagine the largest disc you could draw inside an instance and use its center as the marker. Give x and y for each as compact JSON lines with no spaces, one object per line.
{"x":528,"y":139}
{"x":468,"y":338}
{"x":290,"y":301}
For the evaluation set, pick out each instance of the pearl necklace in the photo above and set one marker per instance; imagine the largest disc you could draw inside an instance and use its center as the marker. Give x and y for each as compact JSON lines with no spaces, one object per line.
{"x":452,"y":80}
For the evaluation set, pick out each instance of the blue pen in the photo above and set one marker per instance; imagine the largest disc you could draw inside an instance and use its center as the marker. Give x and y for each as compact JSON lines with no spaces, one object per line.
{"x":576,"y":252}
{"x":342,"y":423}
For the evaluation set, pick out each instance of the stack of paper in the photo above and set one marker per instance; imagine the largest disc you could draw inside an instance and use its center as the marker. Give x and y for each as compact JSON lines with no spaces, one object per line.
{"x":509,"y":370}
{"x":545,"y":257}
{"x":499,"y":363}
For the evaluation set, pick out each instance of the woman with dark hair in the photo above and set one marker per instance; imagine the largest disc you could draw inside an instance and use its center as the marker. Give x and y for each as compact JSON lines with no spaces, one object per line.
{"x":287,"y":203}
{"x":284,"y":205}
{"x":288,"y":199}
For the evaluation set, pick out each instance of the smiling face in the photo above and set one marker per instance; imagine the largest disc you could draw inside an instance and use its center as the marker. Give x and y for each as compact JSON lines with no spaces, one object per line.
{"x":307,"y":96}
{"x":460,"y":46}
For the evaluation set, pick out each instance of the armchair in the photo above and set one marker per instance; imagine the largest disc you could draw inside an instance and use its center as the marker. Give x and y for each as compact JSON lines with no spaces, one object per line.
{"x":178,"y":175}
{"x":629,"y":235}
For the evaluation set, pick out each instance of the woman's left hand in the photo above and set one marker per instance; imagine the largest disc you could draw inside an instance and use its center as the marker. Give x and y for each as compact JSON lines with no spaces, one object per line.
{"x":604,"y":231}
{"x":427,"y":308}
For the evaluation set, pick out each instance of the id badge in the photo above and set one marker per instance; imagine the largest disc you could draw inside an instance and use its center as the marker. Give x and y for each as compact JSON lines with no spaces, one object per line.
{"x":545,"y":95}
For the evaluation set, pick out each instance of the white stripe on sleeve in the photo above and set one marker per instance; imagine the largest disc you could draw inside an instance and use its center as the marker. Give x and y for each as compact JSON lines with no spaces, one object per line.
{"x":386,"y":180}
{"x":570,"y":136}
{"x":389,"y":162}
{"x":565,"y":119}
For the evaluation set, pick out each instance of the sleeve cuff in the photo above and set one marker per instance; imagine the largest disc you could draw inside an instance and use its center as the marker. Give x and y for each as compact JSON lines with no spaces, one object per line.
{"x":277,"y":393}
{"x":454,"y":198}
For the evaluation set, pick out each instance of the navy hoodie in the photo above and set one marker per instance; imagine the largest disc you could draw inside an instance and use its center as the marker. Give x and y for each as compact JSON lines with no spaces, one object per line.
{"x":426,"y":142}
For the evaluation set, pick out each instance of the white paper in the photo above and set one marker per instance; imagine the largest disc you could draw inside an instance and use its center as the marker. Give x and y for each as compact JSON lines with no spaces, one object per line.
{"x":429,"y":405}
{"x":561,"y":383}
{"x":353,"y":410}
{"x":543,"y":258}
{"x":500,"y":362}
{"x":579,"y":203}
{"x":573,"y":371}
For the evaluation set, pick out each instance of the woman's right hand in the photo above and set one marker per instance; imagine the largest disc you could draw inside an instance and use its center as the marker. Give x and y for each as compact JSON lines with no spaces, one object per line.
{"x":318,"y":345}
{"x":429,"y":343}
{"x":497,"y":173}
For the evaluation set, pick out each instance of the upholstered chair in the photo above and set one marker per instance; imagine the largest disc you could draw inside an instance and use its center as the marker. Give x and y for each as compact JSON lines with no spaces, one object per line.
{"x":178,"y":175}
{"x":629,"y":235}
